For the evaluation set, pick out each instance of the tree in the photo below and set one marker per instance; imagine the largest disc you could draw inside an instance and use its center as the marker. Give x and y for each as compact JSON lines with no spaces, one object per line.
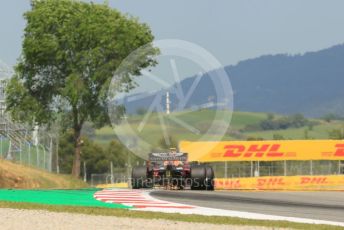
{"x":70,"y":52}
{"x":141,"y":111}
{"x":277,"y":136}
{"x":167,"y":143}
{"x":255,"y":138}
{"x":336,"y":134}
{"x":298,"y":120}
{"x":306,"y":134}
{"x":270,"y":116}
{"x":97,"y":157}
{"x":329,"y":117}
{"x":285,"y":122}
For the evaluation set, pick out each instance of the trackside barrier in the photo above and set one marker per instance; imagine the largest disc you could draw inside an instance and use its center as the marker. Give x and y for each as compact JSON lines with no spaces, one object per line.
{"x":296,"y":183}
{"x":115,"y":185}
{"x":299,"y":150}
{"x":301,"y":183}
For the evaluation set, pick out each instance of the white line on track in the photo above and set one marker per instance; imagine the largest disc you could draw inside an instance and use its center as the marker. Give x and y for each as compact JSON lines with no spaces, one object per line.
{"x":141,"y":200}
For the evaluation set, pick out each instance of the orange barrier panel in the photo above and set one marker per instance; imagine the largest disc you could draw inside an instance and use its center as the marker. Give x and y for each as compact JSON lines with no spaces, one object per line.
{"x":263,"y":150}
{"x":282,"y":183}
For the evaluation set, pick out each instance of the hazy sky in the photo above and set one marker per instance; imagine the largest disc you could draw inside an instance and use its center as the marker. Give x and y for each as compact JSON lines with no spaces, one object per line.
{"x":231,"y":30}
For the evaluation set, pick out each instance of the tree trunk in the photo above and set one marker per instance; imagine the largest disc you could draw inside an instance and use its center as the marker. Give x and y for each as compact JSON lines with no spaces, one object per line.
{"x":77,"y":152}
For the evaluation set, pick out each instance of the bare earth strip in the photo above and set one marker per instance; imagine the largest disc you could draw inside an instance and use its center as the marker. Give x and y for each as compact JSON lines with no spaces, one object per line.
{"x":38,"y":219}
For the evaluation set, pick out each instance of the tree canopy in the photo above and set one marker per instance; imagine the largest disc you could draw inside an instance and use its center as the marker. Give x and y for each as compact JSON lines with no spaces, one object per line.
{"x":70,"y":52}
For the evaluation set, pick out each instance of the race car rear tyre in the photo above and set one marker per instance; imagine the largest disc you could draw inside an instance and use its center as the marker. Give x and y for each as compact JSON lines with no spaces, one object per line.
{"x":209,"y":184}
{"x":139,"y":178}
{"x":198,"y":177}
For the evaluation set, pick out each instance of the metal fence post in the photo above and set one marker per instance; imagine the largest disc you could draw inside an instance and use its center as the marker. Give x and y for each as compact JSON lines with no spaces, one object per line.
{"x":285,"y":168}
{"x":128,"y":172}
{"x":44,"y":158}
{"x":50,"y":155}
{"x":2,"y":150}
{"x":311,"y":167}
{"x":251,"y":169}
{"x":92,"y":180}
{"x":20,"y":152}
{"x":111,"y":171}
{"x":226,"y":173}
{"x":57,"y":157}
{"x":239,"y":171}
{"x":37,"y":157}
{"x":29,"y":154}
{"x":85,"y":172}
{"x":339,"y":164}
{"x":9,"y":153}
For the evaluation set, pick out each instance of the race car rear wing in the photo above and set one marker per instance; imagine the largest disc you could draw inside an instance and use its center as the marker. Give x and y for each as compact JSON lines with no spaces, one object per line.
{"x":155,"y":157}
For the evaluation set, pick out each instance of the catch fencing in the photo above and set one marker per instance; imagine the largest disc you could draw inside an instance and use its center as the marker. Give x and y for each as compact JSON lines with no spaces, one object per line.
{"x":17,"y":145}
{"x":18,"y":142}
{"x":277,"y":168}
{"x":119,"y":175}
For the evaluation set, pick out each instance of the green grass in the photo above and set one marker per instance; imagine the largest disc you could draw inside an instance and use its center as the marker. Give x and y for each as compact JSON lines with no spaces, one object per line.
{"x":320,"y":131}
{"x":73,"y":197}
{"x":241,"y":119}
{"x":203,"y":119}
{"x":167,"y":216}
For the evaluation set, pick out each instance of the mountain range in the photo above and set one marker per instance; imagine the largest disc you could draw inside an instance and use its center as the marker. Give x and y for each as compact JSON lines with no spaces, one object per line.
{"x":311,"y":84}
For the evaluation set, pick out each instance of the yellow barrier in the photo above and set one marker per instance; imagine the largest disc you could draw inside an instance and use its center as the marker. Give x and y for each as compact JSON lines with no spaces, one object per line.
{"x":282,"y":183}
{"x":117,"y":185}
{"x":263,"y":150}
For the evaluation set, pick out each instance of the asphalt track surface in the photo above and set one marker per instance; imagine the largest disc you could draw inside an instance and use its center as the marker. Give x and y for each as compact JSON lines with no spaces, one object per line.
{"x":313,"y":205}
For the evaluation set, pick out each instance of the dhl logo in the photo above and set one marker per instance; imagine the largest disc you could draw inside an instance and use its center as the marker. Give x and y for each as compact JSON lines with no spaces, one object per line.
{"x":282,"y":183}
{"x":228,"y":184}
{"x":269,"y":150}
{"x":273,"y":181}
{"x":340,"y":150}
{"x":313,"y":180}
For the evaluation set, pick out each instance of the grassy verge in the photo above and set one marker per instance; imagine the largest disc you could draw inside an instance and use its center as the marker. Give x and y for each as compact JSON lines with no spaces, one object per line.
{"x":166,"y":216}
{"x":25,"y":177}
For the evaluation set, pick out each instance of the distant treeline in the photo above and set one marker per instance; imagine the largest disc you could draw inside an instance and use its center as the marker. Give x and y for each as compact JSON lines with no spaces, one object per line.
{"x":284,"y":122}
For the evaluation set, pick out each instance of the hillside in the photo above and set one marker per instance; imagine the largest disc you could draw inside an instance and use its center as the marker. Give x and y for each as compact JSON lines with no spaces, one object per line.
{"x":202,"y":119}
{"x":19,"y":176}
{"x":310,"y":84}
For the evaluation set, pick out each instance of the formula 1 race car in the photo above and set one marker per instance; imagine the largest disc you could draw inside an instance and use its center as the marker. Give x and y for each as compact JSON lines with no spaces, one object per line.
{"x":172,"y":171}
